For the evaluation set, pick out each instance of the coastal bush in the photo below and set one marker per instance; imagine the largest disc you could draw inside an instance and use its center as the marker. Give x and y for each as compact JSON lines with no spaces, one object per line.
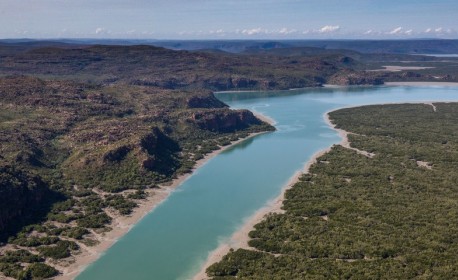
{"x":75,"y":232}
{"x":118,"y":202}
{"x":35,"y":241}
{"x":138,"y":194}
{"x":12,"y":270}
{"x":20,"y":256}
{"x":94,"y":220}
{"x":61,"y":250}
{"x":40,"y":271}
{"x":61,"y":218}
{"x":63,"y":206}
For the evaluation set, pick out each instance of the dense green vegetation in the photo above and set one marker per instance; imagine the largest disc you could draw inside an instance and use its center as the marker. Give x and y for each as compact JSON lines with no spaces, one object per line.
{"x":392,"y":216}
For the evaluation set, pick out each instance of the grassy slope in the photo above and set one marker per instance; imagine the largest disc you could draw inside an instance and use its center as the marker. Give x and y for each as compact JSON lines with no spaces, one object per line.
{"x":355,"y":217}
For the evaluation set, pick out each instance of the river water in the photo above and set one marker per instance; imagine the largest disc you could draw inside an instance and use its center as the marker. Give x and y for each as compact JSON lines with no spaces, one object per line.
{"x":174,"y":240}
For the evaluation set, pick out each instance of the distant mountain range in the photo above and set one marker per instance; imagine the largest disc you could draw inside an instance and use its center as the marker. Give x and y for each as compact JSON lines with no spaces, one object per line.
{"x":415,"y":46}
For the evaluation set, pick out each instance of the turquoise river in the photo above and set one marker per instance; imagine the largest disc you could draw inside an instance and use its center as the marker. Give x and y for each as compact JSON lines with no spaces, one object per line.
{"x":174,"y":240}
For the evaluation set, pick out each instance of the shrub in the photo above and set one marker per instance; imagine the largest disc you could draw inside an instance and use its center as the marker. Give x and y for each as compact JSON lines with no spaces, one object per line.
{"x":40,"y":271}
{"x":94,"y":221}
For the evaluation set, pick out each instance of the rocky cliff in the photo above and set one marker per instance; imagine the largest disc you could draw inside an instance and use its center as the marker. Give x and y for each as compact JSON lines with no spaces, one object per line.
{"x":23,"y":197}
{"x":350,"y":78}
{"x":224,"y":120}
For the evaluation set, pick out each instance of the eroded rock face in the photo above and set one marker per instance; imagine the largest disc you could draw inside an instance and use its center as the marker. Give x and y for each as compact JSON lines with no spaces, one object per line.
{"x":117,"y":154}
{"x":205,"y":101}
{"x":243,"y":83}
{"x":349,"y":78}
{"x":158,"y":152}
{"x":21,"y":194}
{"x":224,"y":120}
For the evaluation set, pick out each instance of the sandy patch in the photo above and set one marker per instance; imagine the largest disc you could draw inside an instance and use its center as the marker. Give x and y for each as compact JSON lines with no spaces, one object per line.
{"x":264,"y":118}
{"x":414,"y":84}
{"x":345,"y":142}
{"x":424,"y":164}
{"x":394,"y":68}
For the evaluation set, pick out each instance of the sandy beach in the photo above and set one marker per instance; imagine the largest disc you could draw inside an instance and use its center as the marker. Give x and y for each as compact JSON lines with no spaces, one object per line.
{"x":264,"y":118}
{"x":240,"y":238}
{"x":393,"y":68}
{"x":414,"y":84}
{"x":122,"y":224}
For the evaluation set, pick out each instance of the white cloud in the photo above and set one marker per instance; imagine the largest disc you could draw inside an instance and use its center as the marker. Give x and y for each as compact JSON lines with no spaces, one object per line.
{"x":254,"y":31}
{"x":329,"y":28}
{"x":100,"y":30}
{"x":286,"y":31}
{"x":439,"y":31}
{"x":147,"y":32}
{"x":395,"y":31}
{"x":219,"y":32}
{"x":24,"y":32}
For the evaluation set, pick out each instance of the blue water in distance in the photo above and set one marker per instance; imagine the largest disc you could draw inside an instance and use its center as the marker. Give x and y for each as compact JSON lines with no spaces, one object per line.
{"x":174,"y":240}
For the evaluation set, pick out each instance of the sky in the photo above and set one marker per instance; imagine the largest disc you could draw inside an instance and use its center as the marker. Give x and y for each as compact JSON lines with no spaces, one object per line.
{"x":229,"y":19}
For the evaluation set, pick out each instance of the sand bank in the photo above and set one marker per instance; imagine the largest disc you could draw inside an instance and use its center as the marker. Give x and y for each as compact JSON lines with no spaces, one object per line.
{"x":264,"y":118}
{"x":414,"y":84}
{"x":393,"y":68}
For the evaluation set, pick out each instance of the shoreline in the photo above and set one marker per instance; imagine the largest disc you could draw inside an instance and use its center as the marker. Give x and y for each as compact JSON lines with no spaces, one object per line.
{"x":413,"y":84}
{"x":121,"y":225}
{"x":394,"y":68}
{"x":402,"y":83}
{"x":239,"y":240}
{"x":264,"y":118}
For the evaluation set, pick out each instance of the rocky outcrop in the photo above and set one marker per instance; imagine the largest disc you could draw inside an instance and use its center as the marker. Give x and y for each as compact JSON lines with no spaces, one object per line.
{"x":158,"y":152}
{"x":23,"y":197}
{"x":224,"y":120}
{"x":117,"y":154}
{"x":273,"y":83}
{"x":205,"y":101}
{"x":350,"y":78}
{"x":241,"y":82}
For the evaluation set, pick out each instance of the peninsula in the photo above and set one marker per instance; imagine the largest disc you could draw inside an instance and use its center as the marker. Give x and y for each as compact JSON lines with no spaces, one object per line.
{"x":378,"y":205}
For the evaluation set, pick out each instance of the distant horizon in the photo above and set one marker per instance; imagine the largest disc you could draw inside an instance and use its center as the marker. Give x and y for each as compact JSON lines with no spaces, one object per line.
{"x":226,"y":39}
{"x":229,"y":19}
